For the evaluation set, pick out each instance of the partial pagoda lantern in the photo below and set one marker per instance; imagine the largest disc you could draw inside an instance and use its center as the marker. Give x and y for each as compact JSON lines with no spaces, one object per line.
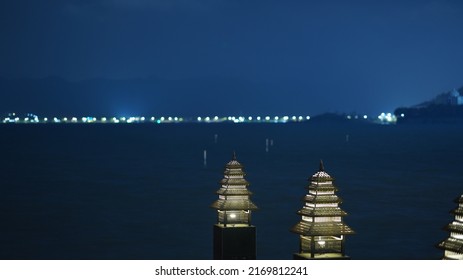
{"x":321,"y":230}
{"x":453,"y":245}
{"x":234,"y":236}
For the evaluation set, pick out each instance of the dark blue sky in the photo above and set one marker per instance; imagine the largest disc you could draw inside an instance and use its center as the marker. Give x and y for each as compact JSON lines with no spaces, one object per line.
{"x":365,"y":56}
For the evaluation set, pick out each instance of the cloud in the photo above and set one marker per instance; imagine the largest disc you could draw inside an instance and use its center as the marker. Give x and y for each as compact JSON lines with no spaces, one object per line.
{"x":166,"y":5}
{"x":99,"y":8}
{"x":438,"y":10}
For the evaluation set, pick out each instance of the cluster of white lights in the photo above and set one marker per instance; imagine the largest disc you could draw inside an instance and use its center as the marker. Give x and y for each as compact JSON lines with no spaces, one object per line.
{"x":242,"y":119}
{"x":12,"y":118}
{"x":387,"y":118}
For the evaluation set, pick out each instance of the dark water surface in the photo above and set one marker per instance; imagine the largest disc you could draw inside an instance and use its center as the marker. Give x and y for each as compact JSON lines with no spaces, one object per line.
{"x":143,"y":192}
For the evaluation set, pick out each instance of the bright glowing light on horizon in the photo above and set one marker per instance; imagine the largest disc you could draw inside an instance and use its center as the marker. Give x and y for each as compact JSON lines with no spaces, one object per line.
{"x":389,"y":118}
{"x":199,"y":119}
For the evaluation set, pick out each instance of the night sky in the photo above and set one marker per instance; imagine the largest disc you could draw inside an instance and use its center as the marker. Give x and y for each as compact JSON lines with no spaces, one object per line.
{"x":226,"y":56}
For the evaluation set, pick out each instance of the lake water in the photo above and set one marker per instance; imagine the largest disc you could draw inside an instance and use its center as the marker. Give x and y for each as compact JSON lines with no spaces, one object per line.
{"x":143,"y":192}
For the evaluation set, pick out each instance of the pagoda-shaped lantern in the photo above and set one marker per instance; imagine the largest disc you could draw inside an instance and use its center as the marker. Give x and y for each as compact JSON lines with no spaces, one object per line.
{"x":234,"y":236}
{"x":321,"y":230}
{"x":453,"y":246}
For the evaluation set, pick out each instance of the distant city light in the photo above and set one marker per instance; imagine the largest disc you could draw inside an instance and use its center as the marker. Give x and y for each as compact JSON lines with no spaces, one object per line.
{"x":384,"y":118}
{"x":387,"y":118}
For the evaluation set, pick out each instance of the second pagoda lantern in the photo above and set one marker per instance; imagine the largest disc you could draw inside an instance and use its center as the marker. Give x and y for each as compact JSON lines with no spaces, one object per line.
{"x":322,"y":231}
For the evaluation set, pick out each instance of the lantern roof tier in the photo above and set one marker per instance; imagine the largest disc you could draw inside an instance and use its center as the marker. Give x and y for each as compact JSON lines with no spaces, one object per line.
{"x":230,"y":191}
{"x":231,"y":204}
{"x":322,"y":212}
{"x":321,"y":229}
